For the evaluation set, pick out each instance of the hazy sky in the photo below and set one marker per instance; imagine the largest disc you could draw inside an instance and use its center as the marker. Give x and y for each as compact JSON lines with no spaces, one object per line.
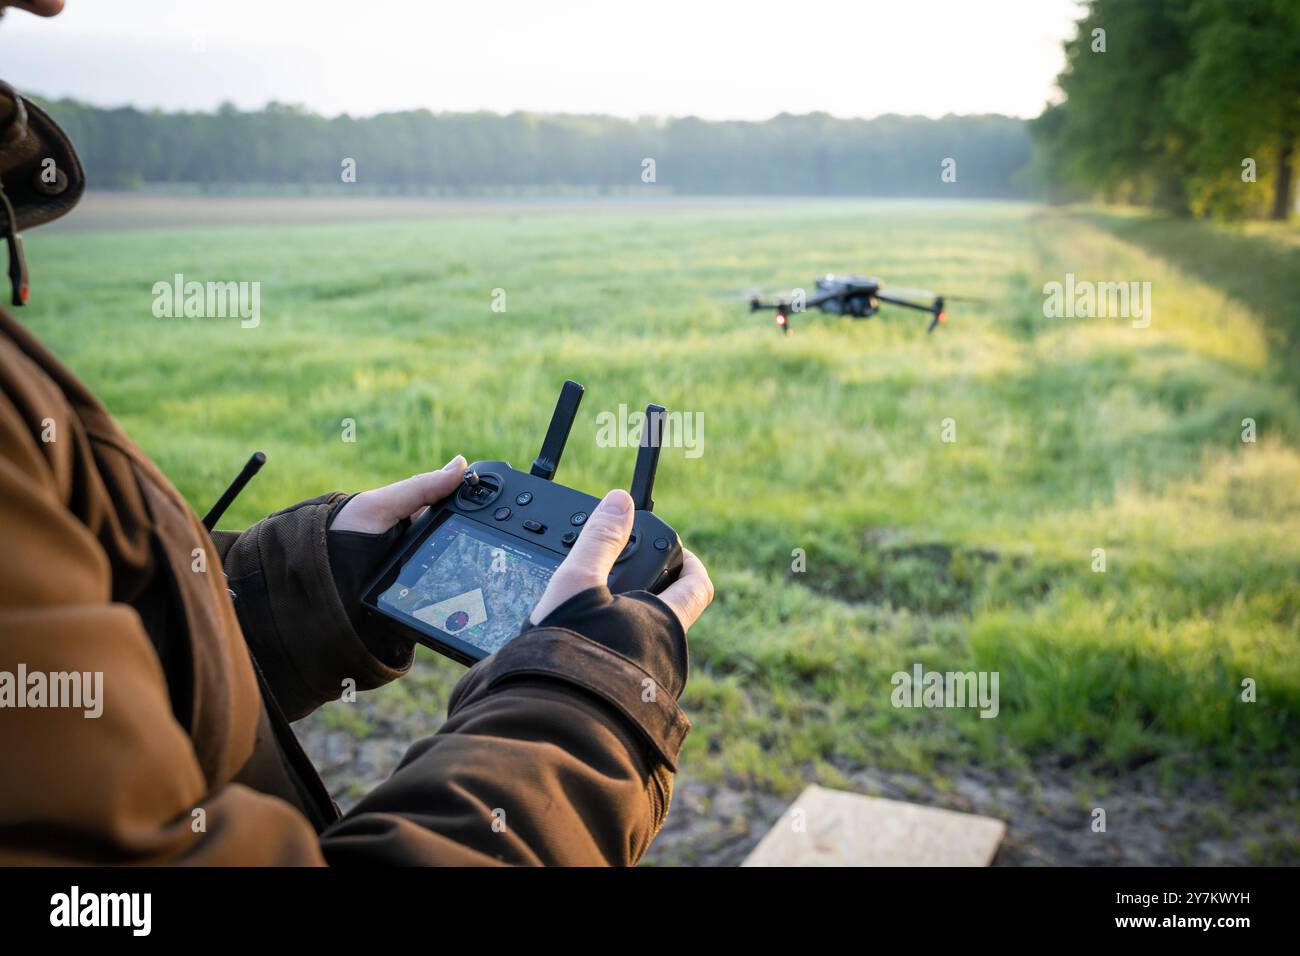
{"x":748,"y":59}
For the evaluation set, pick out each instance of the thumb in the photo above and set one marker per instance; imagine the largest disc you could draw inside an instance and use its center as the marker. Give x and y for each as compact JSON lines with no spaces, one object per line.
{"x":592,"y":556}
{"x":602,"y":539}
{"x":406,"y":497}
{"x":378,"y":510}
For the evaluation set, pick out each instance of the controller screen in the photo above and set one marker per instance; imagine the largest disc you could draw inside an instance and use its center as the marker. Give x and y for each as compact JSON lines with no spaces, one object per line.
{"x":469,"y":582}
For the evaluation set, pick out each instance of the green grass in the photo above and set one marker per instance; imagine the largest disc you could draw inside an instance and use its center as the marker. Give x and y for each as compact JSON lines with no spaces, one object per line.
{"x":1073,"y":434}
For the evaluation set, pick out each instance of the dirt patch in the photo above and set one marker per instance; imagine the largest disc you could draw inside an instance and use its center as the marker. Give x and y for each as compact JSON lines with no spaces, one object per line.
{"x":1048,"y":809}
{"x":1048,"y":812}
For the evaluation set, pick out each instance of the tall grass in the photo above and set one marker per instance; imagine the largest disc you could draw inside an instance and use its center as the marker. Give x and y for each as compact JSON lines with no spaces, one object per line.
{"x":1072,"y":435}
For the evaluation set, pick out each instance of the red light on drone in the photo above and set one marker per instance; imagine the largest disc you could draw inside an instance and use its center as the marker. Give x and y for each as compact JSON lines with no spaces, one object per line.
{"x":780,"y":319}
{"x":943,"y":316}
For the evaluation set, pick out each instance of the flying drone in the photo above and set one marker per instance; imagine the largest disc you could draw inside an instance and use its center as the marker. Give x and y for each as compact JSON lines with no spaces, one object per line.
{"x":852,"y":295}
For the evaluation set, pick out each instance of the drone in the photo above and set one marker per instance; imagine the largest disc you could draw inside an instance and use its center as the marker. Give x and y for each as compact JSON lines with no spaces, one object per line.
{"x":852,"y":295}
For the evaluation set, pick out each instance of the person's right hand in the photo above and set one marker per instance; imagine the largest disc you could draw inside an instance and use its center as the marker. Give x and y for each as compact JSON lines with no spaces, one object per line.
{"x":42,"y":8}
{"x":594,"y":554}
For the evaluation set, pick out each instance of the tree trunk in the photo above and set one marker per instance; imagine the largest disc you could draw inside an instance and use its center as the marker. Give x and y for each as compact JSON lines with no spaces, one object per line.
{"x":1282,"y":190}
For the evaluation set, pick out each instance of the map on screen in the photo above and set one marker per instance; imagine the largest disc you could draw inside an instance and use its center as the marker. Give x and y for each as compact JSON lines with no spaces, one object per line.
{"x":470,"y":583}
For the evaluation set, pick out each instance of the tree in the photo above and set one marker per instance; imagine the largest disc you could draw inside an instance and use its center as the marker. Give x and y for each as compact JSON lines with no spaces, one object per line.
{"x":1166,"y":100}
{"x":1242,"y":90}
{"x":1115,"y":132}
{"x":417,"y":150}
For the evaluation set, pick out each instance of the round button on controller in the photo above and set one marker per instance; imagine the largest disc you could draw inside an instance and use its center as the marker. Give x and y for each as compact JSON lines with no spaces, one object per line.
{"x":523,"y":498}
{"x":578,"y":518}
{"x":501,"y":514}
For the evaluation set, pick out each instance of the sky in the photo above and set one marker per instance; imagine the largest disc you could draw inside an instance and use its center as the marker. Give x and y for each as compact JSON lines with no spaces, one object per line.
{"x":717,"y":59}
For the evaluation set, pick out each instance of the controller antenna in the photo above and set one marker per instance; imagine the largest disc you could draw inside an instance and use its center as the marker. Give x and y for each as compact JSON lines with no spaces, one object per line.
{"x":251,"y":467}
{"x":647,"y":459}
{"x":566,"y":410}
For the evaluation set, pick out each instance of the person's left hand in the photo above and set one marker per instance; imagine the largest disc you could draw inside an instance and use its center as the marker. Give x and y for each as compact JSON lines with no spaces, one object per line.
{"x":375,"y":511}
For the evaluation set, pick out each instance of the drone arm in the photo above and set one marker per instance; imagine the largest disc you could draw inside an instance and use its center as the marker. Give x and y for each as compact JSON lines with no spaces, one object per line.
{"x":935,"y":308}
{"x":783,"y":305}
{"x":919,"y":306}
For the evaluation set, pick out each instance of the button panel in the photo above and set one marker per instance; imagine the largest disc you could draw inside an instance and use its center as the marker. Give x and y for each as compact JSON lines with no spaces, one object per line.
{"x":542,"y":514}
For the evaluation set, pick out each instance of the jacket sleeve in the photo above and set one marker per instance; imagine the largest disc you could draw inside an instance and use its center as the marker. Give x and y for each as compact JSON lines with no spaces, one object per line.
{"x":304,"y":638}
{"x":118,"y":779}
{"x":558,"y":749}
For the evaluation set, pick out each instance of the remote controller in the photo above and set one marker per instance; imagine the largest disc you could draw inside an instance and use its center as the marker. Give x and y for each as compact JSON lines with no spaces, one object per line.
{"x":467,"y":574}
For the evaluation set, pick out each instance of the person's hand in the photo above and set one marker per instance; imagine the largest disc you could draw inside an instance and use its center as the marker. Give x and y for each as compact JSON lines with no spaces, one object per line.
{"x":594,"y":554}
{"x":42,"y":8}
{"x":374,"y":512}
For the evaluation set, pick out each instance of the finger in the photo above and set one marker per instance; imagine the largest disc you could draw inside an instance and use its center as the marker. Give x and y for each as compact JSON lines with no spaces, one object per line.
{"x":603,"y":537}
{"x":403,"y":498}
{"x":378,"y":510}
{"x":691,"y":593}
{"x":593,"y":554}
{"x":42,"y":8}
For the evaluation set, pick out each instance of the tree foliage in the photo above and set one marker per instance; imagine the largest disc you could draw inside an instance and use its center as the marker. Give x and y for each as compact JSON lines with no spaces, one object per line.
{"x":1164,"y":100}
{"x":1243,"y":90}
{"x":286,"y":146}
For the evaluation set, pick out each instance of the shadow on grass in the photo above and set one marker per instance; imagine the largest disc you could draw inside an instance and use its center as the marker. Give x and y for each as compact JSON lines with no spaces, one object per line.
{"x":1256,"y":270}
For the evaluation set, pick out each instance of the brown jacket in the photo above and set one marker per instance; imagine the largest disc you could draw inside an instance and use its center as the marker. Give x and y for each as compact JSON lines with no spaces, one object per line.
{"x":552,"y":752}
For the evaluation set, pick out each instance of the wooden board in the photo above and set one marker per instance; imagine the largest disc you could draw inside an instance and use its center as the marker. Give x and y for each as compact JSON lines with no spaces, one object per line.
{"x":834,"y":828}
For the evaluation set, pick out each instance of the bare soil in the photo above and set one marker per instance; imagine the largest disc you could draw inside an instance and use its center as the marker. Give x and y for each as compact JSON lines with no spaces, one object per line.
{"x":1048,"y":809}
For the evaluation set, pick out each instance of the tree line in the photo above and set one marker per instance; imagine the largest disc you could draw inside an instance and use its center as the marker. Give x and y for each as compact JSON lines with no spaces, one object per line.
{"x":287,"y":146}
{"x":1192,"y":106}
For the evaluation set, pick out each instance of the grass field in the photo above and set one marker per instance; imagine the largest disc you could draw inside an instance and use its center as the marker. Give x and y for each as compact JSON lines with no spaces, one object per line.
{"x":978,"y":554}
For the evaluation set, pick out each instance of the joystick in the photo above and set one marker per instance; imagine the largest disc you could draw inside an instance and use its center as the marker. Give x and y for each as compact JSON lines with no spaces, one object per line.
{"x":465,"y":577}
